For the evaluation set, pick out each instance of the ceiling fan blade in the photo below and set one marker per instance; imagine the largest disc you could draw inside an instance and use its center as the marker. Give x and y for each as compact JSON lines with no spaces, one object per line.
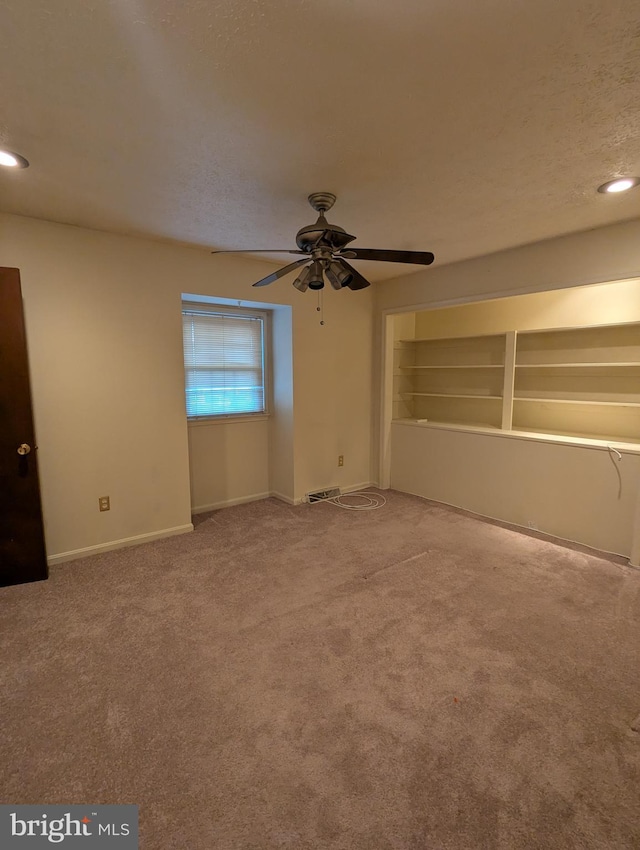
{"x":422,"y":258}
{"x":281,"y":272}
{"x":259,"y":251}
{"x":357,"y":281}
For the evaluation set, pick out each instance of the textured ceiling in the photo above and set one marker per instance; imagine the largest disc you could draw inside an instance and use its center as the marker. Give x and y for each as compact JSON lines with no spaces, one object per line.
{"x":449,"y":125}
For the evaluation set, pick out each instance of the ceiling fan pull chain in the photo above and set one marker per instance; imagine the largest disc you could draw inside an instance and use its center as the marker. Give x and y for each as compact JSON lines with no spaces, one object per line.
{"x":320,"y":307}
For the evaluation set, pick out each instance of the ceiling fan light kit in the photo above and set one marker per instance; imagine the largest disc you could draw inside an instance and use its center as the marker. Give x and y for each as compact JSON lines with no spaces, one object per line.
{"x":301,"y":283}
{"x":337,"y":275}
{"x":325,"y":251}
{"x":316,"y":281}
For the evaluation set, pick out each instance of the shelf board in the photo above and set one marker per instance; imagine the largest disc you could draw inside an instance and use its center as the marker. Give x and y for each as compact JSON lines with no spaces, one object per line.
{"x":458,"y":426}
{"x":578,"y":401}
{"x":626,"y":364}
{"x":571,"y":328}
{"x":599,"y":441}
{"x":455,"y":395}
{"x":453,"y":338}
{"x":457,"y":366}
{"x":603,"y":438}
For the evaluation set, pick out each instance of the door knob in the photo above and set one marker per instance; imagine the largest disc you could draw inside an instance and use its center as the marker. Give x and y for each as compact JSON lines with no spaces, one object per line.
{"x":24,"y":449}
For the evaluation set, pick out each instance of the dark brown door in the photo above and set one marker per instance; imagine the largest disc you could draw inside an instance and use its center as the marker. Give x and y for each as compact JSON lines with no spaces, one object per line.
{"x":22,"y":550}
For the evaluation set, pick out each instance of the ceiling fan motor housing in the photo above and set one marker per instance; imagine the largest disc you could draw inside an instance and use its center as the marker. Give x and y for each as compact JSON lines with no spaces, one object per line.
{"x":307,"y":237}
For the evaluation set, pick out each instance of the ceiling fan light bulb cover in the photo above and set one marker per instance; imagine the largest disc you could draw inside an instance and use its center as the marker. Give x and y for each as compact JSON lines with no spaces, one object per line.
{"x":333,"y":279}
{"x":338,"y":275}
{"x":316,"y":279}
{"x":301,"y":283}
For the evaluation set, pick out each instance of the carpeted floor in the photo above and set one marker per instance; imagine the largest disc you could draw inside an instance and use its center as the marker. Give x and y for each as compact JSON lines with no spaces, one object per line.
{"x":410,"y":678}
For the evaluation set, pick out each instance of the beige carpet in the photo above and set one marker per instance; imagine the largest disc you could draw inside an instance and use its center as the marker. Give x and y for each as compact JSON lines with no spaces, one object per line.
{"x":311,"y":677}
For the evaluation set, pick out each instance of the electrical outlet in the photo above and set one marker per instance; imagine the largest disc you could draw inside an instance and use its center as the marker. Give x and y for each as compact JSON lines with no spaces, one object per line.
{"x":340,"y":460}
{"x":104,"y":503}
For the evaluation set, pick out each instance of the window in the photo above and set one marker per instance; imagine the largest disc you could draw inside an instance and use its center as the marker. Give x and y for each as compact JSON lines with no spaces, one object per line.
{"x":224,"y":357}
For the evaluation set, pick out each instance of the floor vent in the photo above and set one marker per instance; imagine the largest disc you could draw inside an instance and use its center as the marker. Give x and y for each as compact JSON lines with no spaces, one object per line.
{"x":321,"y":495}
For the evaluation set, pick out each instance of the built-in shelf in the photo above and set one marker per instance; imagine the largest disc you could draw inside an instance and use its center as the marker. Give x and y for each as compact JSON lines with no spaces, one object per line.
{"x":571,"y":438}
{"x":453,"y":379}
{"x":583,"y":435}
{"x":437,"y":340}
{"x":466,"y":426}
{"x":566,"y":381}
{"x":608,"y":365}
{"x":454,"y":395}
{"x":547,"y":400}
{"x":459,"y":366}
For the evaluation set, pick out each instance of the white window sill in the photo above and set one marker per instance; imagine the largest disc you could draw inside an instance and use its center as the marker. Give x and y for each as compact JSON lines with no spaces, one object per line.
{"x":225,"y":420}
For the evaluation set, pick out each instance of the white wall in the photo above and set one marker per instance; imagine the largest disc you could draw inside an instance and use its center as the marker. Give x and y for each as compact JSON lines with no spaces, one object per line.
{"x":104,"y":335}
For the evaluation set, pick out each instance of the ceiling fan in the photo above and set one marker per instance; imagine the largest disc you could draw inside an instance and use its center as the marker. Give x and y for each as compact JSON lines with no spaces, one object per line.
{"x":325,"y":251}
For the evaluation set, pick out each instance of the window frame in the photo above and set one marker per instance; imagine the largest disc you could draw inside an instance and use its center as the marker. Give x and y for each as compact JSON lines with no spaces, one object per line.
{"x":212,"y":309}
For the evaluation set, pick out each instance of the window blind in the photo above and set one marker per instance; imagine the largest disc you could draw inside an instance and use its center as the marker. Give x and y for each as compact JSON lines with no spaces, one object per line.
{"x":224,"y":363}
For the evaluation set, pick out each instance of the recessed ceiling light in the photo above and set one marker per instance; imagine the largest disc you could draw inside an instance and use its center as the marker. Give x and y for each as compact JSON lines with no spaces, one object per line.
{"x":621,"y":184}
{"x":13,"y":160}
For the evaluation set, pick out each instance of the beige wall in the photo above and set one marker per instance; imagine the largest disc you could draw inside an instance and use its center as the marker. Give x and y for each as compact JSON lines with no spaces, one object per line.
{"x":281,"y":421}
{"x":579,"y":493}
{"x":601,"y":304}
{"x":228,"y":463}
{"x":333,"y":385}
{"x":594,"y":256}
{"x":240,"y":460}
{"x":104,"y":336}
{"x":574,"y":492}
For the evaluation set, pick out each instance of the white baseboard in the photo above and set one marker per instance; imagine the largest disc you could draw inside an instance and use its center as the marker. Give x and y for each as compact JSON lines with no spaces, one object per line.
{"x":74,"y":554}
{"x":228,"y":503}
{"x":283,"y":498}
{"x":363,"y":486}
{"x":254,"y":497}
